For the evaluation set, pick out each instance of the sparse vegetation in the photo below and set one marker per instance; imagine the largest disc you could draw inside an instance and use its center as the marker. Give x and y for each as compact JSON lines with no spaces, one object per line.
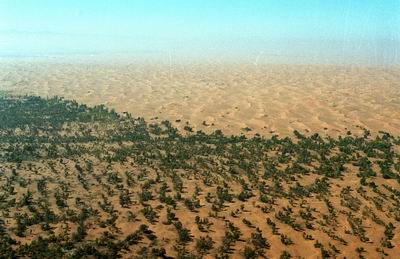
{"x":79,"y":181}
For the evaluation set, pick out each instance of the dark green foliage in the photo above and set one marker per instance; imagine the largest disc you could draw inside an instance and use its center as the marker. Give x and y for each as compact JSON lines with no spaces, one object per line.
{"x":183,"y":233}
{"x":150,"y":214}
{"x":256,"y":173}
{"x":285,"y":255}
{"x":204,"y":244}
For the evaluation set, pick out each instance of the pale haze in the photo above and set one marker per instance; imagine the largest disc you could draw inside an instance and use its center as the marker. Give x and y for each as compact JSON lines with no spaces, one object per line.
{"x":363,"y":32}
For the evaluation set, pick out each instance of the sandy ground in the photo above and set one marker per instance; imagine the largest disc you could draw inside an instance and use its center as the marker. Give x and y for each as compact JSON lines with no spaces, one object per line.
{"x":269,"y":99}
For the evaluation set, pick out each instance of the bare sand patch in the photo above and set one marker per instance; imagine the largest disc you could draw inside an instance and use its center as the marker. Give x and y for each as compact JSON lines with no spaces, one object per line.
{"x":265,"y":98}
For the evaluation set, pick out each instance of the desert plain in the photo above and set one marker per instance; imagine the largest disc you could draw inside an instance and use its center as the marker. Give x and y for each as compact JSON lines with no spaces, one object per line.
{"x":264,"y":98}
{"x":210,"y":160}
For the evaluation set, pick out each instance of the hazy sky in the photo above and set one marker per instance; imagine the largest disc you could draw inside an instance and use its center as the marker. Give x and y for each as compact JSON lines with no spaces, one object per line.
{"x":331,"y":30}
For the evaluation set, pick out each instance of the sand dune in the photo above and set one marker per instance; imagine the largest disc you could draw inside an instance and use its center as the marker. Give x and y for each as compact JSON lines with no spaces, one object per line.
{"x":266,"y":98}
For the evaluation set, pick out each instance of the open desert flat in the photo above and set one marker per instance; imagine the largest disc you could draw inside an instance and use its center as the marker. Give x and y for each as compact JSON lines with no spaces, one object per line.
{"x":265,"y":98}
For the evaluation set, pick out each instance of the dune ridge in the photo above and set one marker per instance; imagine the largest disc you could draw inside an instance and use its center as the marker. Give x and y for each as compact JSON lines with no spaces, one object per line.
{"x":268,"y":99}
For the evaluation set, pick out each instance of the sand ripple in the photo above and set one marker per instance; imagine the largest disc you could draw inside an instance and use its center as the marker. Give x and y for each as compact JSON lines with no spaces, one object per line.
{"x":266,"y":98}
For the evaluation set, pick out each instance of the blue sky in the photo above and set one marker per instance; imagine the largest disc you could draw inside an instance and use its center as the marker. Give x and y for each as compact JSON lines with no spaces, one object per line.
{"x":276,"y":27}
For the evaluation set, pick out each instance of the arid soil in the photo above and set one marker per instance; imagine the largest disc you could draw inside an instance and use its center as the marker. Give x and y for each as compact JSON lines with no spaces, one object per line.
{"x":268,"y":99}
{"x":79,"y":181}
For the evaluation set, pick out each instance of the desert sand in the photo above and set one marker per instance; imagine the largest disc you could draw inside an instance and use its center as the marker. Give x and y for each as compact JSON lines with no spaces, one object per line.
{"x":135,"y":188}
{"x":90,"y":184}
{"x":268,"y":99}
